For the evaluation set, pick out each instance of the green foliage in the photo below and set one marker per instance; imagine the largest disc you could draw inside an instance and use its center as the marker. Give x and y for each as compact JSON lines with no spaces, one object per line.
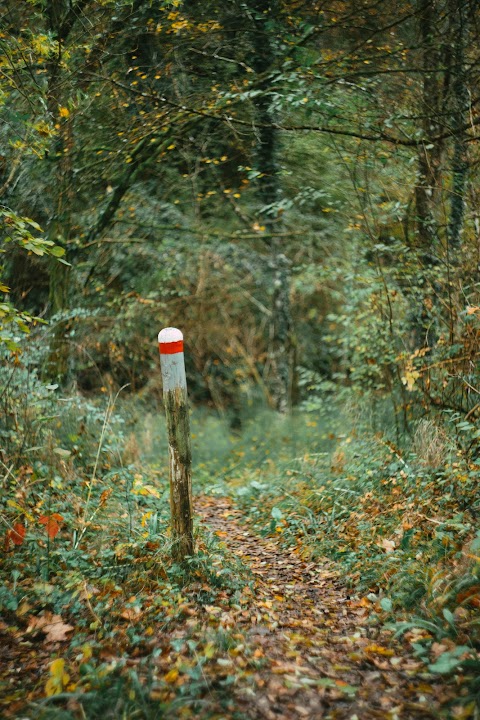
{"x":87,"y":540}
{"x":17,"y":231}
{"x":400,"y":524}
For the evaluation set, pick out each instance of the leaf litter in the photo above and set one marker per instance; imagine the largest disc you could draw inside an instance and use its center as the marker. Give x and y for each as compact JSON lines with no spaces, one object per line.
{"x":277,"y":637}
{"x":322,"y":656}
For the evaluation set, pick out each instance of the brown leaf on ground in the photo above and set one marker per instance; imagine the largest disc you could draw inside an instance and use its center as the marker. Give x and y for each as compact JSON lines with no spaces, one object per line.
{"x":131,"y":613}
{"x":53,"y":627}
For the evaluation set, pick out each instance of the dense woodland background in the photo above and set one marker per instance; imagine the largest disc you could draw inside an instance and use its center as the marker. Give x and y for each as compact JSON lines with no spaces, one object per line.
{"x":295,"y":185}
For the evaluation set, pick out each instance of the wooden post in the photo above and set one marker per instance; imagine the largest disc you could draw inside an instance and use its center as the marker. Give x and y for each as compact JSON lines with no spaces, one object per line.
{"x":170,"y":343}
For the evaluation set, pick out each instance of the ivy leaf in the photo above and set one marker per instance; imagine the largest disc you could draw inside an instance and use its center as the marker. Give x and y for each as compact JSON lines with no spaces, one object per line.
{"x":386,"y":604}
{"x":448,"y":661}
{"x":276,"y":513}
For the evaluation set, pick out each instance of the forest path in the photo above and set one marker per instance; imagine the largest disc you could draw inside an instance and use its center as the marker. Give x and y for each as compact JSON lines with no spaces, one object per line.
{"x":319,"y":654}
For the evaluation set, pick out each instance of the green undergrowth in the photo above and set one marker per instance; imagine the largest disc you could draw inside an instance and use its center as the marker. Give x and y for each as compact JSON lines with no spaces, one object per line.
{"x":89,"y":589}
{"x":402,"y":526}
{"x":87,"y":544}
{"x":401,"y":521}
{"x":219,"y":452}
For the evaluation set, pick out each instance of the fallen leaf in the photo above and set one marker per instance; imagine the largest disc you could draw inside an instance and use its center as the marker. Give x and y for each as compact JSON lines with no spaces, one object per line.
{"x":212,"y":609}
{"x":16,"y":535}
{"x":171,"y":676}
{"x":388,"y":545}
{"x":379,"y":650}
{"x":52,"y":626}
{"x":438,"y":649}
{"x":131,"y":613}
{"x":58,"y":678}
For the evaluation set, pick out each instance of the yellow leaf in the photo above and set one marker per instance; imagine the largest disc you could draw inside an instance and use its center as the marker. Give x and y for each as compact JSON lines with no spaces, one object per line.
{"x":410,"y":378}
{"x":140,"y":489}
{"x":171,"y":676}
{"x":58,"y":678}
{"x":87,"y":652}
{"x":51,"y":688}
{"x":209,"y":650}
{"x":15,"y":505}
{"x":57,"y":667}
{"x":379,"y":650}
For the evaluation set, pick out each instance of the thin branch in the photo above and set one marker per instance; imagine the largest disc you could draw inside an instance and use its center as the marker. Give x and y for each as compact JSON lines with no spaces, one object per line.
{"x":324,"y":129}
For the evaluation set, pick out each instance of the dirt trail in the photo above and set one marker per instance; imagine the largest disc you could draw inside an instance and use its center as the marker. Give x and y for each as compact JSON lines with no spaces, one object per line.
{"x":321,"y":656}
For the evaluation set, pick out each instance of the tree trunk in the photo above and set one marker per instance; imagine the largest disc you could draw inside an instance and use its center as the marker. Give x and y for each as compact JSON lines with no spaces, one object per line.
{"x":430,"y":155}
{"x":461,"y":106}
{"x":269,"y":192}
{"x":428,"y":174}
{"x":60,"y":221}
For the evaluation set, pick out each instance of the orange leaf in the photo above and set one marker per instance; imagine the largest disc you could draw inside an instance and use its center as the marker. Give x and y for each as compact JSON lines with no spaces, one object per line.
{"x":470,"y":596}
{"x":171,"y":676}
{"x":51,"y":523}
{"x":17,"y":534}
{"x":131,"y":613}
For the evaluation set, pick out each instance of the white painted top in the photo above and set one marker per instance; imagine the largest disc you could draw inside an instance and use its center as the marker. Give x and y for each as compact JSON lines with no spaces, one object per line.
{"x":173,"y":365}
{"x":170,"y":334}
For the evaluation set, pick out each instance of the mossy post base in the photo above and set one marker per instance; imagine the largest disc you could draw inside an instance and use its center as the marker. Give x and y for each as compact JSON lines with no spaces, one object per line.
{"x":175,"y":398}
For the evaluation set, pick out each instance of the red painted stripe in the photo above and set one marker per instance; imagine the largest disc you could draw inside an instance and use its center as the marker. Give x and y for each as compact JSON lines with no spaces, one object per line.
{"x":170,"y":348}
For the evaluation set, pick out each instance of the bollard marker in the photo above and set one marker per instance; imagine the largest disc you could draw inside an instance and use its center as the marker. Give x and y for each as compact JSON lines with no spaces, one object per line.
{"x":172,"y":361}
{"x":170,"y":341}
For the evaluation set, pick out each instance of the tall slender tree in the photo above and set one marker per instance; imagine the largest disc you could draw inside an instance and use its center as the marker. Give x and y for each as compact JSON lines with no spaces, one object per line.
{"x":265,"y":14}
